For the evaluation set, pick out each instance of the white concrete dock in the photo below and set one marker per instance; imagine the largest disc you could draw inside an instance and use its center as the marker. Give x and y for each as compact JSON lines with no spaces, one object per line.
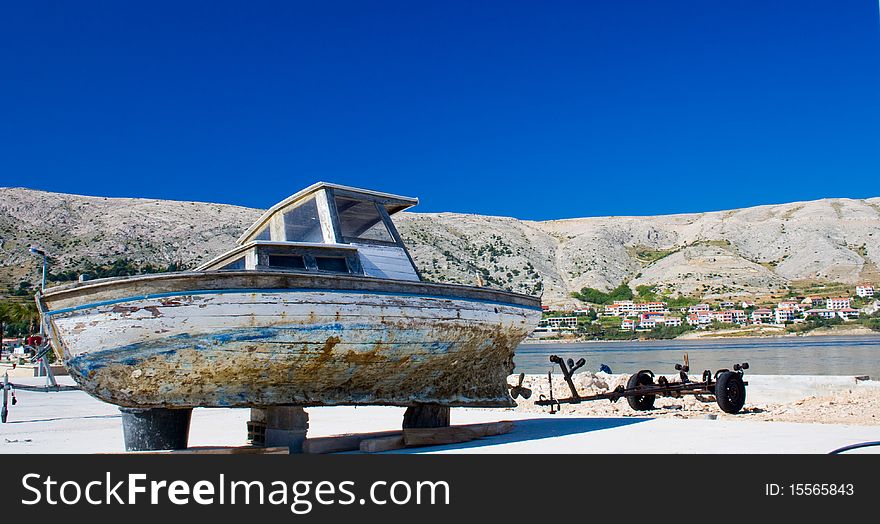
{"x":73,"y":422}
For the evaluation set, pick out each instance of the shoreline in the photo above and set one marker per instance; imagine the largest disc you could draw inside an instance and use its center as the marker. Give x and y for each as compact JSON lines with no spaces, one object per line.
{"x":718,"y":335}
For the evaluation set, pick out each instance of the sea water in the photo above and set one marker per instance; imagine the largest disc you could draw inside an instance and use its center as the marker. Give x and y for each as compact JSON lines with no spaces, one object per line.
{"x":816,"y":355}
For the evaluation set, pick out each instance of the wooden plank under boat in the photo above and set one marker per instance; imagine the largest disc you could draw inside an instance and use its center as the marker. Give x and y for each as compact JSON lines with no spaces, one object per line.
{"x":243,"y":332}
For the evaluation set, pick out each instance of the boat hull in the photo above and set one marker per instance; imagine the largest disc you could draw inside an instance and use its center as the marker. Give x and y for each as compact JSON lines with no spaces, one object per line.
{"x":241,"y":339}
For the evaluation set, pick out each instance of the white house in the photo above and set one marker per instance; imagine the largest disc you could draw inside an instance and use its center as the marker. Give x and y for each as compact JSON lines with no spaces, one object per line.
{"x":865,"y":291}
{"x":562,"y":322}
{"x":649,"y":323}
{"x":838,"y":303}
{"x":701,"y":319}
{"x":762,"y":316}
{"x":821,"y":313}
{"x":784,"y":314}
{"x":848,"y":313}
{"x":652,"y":307}
{"x":704,"y":317}
{"x":790,"y":304}
{"x":625,"y":306}
{"x":722,"y":316}
{"x":620,"y":308}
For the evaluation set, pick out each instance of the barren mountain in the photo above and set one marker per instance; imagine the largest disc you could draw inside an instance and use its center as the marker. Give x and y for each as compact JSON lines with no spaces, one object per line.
{"x":723,"y":254}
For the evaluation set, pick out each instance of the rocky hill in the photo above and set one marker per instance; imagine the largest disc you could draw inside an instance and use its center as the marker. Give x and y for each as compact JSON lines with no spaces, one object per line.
{"x":728,"y":253}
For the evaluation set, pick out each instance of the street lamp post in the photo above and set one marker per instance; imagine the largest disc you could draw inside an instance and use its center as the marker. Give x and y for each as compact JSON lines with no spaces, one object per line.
{"x":40,"y":252}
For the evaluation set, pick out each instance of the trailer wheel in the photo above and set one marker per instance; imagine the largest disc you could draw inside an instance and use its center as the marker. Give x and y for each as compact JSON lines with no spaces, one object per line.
{"x":643,"y":402}
{"x":730,"y":392}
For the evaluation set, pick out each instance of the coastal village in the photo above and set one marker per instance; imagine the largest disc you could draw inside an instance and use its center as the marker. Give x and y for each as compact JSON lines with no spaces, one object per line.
{"x":644,"y":316}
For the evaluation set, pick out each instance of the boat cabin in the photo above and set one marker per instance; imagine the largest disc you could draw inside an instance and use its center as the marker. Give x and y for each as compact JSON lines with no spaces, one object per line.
{"x":326,"y":228}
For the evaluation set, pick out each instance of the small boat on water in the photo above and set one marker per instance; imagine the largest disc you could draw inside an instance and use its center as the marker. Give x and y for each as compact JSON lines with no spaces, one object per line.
{"x":319,"y":304}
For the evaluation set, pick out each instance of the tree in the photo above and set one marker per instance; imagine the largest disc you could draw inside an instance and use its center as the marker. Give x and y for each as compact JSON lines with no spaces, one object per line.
{"x":646,"y":292}
{"x":5,"y":318}
{"x":592,"y":296}
{"x":621,"y":292}
{"x":26,"y":313}
{"x":23,"y":290}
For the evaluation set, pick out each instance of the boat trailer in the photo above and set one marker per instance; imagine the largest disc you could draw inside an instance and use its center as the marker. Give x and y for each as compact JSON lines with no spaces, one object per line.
{"x":728,"y":387}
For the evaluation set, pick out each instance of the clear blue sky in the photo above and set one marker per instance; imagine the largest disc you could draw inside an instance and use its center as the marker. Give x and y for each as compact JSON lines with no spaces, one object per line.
{"x":530,"y":109}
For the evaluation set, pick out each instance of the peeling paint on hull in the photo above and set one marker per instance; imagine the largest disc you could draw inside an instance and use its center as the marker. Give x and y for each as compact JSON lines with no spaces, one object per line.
{"x":291,"y":347}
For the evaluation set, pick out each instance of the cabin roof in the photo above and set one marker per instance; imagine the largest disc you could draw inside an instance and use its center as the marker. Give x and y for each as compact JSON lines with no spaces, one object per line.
{"x":393,"y":203}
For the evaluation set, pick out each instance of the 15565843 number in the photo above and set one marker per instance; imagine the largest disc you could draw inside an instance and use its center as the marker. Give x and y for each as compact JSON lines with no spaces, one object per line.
{"x":820,"y":489}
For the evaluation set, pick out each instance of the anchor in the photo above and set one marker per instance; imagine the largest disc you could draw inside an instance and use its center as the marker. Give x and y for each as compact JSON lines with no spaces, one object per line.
{"x":568,"y":371}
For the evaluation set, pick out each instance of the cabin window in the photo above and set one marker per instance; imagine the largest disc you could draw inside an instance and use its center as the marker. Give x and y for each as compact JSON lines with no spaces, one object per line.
{"x":334,"y":264}
{"x":238,"y":263}
{"x":301,"y":224}
{"x":361,"y":220}
{"x":264,"y":234}
{"x":287,"y":261}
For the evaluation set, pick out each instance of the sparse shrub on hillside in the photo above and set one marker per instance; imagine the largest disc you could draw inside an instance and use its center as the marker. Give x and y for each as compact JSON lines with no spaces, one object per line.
{"x":647,"y":293}
{"x":594,"y":296}
{"x":118,"y":268}
{"x":680,"y":301}
{"x":24,"y":289}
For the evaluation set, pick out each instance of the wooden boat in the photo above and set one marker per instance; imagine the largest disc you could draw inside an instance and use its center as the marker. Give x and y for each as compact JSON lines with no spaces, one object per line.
{"x":319,"y":304}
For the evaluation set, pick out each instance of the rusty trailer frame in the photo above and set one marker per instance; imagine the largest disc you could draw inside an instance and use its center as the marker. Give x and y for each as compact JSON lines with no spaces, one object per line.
{"x":728,"y":387}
